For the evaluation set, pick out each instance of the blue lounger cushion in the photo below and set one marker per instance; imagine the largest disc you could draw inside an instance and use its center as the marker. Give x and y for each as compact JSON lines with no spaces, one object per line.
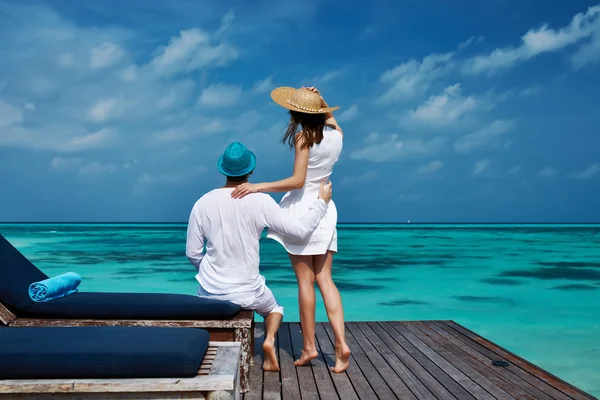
{"x":89,"y":305}
{"x":17,"y":273}
{"x":55,"y":287}
{"x":101,"y":352}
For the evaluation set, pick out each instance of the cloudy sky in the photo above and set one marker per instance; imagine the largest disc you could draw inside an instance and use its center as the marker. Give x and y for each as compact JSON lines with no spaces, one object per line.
{"x":452,"y":111}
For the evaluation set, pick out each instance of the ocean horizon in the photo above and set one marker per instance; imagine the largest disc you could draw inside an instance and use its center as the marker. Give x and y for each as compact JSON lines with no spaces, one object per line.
{"x":531,"y":288}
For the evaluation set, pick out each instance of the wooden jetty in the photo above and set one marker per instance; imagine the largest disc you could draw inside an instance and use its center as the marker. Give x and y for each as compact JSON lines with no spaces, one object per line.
{"x":418,"y":360}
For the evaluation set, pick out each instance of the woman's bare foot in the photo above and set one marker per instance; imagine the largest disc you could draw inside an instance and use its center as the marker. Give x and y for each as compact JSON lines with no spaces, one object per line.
{"x":342,"y":358}
{"x":270,"y":363}
{"x":305,"y":357}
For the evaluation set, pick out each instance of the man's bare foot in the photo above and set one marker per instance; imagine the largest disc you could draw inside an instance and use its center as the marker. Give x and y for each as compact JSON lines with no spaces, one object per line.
{"x":270,"y":363}
{"x":305,"y":357}
{"x":342,"y":358}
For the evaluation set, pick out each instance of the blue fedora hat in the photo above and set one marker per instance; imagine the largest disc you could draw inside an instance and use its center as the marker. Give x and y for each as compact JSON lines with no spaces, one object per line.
{"x":237,"y":160}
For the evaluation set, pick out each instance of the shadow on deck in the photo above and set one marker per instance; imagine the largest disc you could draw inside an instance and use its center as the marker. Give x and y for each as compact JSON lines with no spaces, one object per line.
{"x":403,"y":360}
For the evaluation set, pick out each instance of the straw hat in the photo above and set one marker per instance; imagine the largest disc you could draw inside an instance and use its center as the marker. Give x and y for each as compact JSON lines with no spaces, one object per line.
{"x":301,"y":100}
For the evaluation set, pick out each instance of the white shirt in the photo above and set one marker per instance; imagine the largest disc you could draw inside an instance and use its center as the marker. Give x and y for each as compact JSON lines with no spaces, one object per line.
{"x":232,"y":229}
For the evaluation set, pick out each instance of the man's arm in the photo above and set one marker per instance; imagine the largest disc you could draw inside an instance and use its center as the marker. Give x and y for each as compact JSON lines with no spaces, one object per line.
{"x":281,"y":222}
{"x":194,"y":248}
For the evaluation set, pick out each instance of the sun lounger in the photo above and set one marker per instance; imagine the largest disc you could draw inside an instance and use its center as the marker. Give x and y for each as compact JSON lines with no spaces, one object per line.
{"x":116,"y":363}
{"x":224,"y":321}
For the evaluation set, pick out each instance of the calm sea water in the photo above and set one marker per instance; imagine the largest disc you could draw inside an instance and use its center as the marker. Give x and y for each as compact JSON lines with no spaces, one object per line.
{"x":534,"y":289}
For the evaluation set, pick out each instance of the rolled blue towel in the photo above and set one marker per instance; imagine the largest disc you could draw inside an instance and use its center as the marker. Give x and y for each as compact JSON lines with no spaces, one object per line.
{"x":54,"y":288}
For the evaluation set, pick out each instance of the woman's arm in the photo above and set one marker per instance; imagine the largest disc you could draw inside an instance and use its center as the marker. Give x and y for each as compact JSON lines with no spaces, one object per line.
{"x":296,"y":181}
{"x":329,"y":118}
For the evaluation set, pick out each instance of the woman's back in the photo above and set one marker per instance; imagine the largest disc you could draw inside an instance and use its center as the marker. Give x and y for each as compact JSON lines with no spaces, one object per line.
{"x":322,"y":157}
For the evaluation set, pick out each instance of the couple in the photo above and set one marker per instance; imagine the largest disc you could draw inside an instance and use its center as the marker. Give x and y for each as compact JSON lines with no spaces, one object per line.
{"x":229,"y":221}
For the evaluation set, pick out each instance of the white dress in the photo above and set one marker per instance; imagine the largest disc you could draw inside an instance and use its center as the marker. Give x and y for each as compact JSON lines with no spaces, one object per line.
{"x":321,"y":159}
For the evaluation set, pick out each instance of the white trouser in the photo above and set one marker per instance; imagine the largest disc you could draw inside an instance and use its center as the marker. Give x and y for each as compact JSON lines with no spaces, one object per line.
{"x":261,"y":300}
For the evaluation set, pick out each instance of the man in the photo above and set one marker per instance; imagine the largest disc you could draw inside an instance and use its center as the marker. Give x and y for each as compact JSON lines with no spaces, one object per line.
{"x":228,"y":269}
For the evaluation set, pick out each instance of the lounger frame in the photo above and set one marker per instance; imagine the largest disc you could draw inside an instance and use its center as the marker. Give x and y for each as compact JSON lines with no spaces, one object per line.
{"x":218,"y":378}
{"x":239,"y":329}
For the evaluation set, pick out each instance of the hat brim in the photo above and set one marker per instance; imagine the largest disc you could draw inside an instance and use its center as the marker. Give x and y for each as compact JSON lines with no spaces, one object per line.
{"x":281,"y":95}
{"x":242,"y":172}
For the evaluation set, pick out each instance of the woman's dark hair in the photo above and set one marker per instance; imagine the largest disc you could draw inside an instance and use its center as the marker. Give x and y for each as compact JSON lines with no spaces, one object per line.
{"x":312,"y":129}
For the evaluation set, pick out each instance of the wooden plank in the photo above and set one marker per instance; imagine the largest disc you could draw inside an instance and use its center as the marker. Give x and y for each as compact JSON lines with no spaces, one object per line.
{"x":555,"y":387}
{"x":482,"y":379}
{"x":342,"y":383}
{"x":200,"y":383}
{"x":379,"y":374}
{"x":271,"y":381}
{"x":476,"y":391}
{"x":436,"y":371}
{"x":110,"y":396}
{"x":242,"y":320}
{"x":412,"y":382}
{"x":322,"y":376}
{"x":6,"y":316}
{"x":308,"y":386}
{"x":290,"y":389}
{"x":486,"y":360}
{"x":355,"y":375}
{"x":427,"y":379}
{"x":256,"y":372}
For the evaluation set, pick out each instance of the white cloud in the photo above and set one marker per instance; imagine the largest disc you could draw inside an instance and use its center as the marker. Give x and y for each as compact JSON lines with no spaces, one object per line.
{"x":368,"y":176}
{"x":9,"y":115}
{"x":220,"y":95}
{"x":265,"y":85}
{"x":101,"y":110}
{"x":88,"y":168}
{"x":349,"y":114}
{"x":481,"y":166}
{"x":414,"y":77}
{"x":65,"y":60}
{"x":226,"y":22}
{"x":30,"y":107}
{"x":445,"y":108}
{"x":326,"y":77}
{"x":473,"y":40}
{"x":148,"y":180}
{"x":486,"y":136}
{"x":588,"y":173}
{"x":197,"y":126}
{"x":105,"y":55}
{"x":543,"y":40}
{"x":378,"y":148}
{"x":547,"y":172}
{"x":516,"y":169}
{"x":190,"y":51}
{"x":59,"y":138}
{"x":430,"y":168}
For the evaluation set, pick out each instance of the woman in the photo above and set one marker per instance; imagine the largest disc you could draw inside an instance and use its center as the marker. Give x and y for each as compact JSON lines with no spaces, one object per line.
{"x":317,"y":148}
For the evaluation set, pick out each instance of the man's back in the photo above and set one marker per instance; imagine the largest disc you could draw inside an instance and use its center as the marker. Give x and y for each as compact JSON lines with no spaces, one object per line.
{"x":232,"y":228}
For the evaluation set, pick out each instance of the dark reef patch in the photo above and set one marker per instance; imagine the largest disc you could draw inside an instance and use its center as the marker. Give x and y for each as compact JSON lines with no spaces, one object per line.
{"x":502,"y":281}
{"x":395,"y":303}
{"x":574,"y":274}
{"x":576,"y":286}
{"x":486,"y":299}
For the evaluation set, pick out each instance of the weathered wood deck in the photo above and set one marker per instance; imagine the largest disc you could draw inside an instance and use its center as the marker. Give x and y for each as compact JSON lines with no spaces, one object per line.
{"x":403,"y":360}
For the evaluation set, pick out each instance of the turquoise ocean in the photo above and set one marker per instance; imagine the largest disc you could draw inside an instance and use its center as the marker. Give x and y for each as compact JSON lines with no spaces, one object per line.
{"x":534,"y":289}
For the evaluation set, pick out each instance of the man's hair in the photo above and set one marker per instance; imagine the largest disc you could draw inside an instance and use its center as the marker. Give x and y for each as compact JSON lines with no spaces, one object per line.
{"x":238,"y":179}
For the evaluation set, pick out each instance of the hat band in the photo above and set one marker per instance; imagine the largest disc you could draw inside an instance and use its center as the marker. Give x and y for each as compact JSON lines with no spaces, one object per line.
{"x":304,"y":108}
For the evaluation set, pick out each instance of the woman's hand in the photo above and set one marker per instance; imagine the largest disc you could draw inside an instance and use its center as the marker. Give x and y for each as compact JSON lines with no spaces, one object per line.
{"x":313,"y":89}
{"x":245,"y":189}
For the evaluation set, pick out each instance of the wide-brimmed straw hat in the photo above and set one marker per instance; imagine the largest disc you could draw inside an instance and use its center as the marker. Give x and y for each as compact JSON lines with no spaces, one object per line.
{"x":301,"y":100}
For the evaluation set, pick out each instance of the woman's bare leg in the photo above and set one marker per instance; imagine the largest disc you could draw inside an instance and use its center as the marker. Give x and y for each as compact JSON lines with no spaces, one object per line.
{"x":306,"y":301}
{"x":335,"y":311}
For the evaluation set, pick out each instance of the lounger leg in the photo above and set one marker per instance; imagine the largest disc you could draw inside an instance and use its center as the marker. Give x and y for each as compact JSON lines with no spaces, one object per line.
{"x":223,"y":395}
{"x":242,"y":335}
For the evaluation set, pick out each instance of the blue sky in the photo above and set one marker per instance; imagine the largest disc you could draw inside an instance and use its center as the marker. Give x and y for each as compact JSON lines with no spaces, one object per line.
{"x":452,"y":111}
